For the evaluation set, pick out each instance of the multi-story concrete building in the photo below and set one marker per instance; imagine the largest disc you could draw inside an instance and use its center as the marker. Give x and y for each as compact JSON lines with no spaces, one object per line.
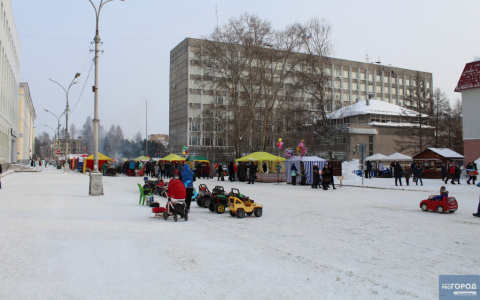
{"x":9,"y":79}
{"x":194,"y":105}
{"x":375,"y":123}
{"x":26,"y":117}
{"x":469,"y":86}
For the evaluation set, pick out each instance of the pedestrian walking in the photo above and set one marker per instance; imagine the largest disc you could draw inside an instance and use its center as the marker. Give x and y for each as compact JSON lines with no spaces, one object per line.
{"x":398,"y":172}
{"x":316,"y":176}
{"x":294,"y":174}
{"x":418,"y":173}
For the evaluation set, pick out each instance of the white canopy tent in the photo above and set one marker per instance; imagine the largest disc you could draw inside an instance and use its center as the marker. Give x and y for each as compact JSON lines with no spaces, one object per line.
{"x":377,"y":157}
{"x":399,"y":157}
{"x":308,"y":162}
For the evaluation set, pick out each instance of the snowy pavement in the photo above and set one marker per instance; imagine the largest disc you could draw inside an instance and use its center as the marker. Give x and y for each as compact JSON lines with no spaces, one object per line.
{"x":367,"y":241}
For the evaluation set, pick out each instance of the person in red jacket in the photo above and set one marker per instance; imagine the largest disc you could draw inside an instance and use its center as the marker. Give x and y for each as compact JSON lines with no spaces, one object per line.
{"x":450,"y":173}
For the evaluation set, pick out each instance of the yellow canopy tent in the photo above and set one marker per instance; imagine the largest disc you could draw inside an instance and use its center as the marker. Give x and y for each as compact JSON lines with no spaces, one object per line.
{"x":263,"y":157}
{"x":88,"y":161}
{"x":173,"y":157}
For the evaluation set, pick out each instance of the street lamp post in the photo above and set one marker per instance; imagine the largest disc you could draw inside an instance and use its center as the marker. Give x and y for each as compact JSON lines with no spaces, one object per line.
{"x":58,"y":125}
{"x":54,"y":136}
{"x":96,"y":183}
{"x":67,"y":166}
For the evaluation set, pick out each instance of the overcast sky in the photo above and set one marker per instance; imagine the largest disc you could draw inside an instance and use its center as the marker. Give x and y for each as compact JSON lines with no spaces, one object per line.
{"x":435,"y":36}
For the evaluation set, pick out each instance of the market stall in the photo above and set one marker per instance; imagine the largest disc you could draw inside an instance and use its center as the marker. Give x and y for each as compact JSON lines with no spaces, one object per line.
{"x":432,"y":160}
{"x":308,"y":163}
{"x":261,"y":158}
{"x":88,"y":162}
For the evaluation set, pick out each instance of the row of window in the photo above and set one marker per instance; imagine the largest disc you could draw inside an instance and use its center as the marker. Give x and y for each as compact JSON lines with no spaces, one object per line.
{"x":196,"y":141}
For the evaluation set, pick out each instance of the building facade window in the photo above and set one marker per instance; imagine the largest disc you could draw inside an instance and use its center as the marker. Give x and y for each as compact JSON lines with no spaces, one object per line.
{"x":194,"y":127}
{"x":194,"y":141}
{"x":370,"y":145}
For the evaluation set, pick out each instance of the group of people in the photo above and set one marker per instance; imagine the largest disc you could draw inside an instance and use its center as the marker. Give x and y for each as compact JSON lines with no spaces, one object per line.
{"x":414,"y":170}
{"x":323,"y":178}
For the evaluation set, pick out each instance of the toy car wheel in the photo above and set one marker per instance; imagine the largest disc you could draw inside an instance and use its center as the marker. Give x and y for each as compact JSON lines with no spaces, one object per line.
{"x":258,"y":212}
{"x":175,"y":217}
{"x":232,"y":214}
{"x":220,"y":208}
{"x":424,"y":207}
{"x":440,"y":209}
{"x":206,"y":202}
{"x":165,"y":215}
{"x":240,"y":213}
{"x":186,"y":216}
{"x":200,"y":202}
{"x":211,"y":207}
{"x":249,"y":213}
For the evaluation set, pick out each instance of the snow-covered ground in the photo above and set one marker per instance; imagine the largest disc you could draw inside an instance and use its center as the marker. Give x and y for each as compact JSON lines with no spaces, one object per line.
{"x":354,"y":242}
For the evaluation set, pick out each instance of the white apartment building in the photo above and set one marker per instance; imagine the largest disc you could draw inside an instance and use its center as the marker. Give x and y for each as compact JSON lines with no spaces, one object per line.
{"x":9,"y":84}
{"x":194,"y":105}
{"x":26,"y":129}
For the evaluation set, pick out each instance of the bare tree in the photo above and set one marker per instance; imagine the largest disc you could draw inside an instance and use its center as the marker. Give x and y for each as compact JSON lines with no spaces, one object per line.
{"x":317,"y":83}
{"x":418,"y":132}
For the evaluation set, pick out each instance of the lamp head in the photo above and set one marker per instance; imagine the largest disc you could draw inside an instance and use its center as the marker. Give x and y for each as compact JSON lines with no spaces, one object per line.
{"x":77,"y":75}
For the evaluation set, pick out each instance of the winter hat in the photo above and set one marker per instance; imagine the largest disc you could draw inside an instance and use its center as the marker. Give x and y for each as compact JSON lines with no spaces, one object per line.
{"x":442,"y":189}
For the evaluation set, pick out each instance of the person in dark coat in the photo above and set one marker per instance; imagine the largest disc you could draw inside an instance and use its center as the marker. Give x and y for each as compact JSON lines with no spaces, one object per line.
{"x":294,"y":174}
{"x":398,"y":172}
{"x":458,"y":171}
{"x":316,"y":176}
{"x":444,"y":172}
{"x":220,"y":172}
{"x":187,"y":179}
{"x":326,"y":177}
{"x":408,"y":174}
{"x":332,"y":182}
{"x":418,"y":173}
{"x":369,"y":170}
{"x":230,"y":171}
{"x":252,"y":170}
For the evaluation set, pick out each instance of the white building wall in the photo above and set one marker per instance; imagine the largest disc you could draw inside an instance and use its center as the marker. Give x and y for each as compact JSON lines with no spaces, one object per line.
{"x":471,"y":114}
{"x":9,"y":75}
{"x":26,"y":118}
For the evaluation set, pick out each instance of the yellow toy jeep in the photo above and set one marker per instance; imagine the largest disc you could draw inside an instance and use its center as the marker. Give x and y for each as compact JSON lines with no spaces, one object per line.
{"x":239,"y":208}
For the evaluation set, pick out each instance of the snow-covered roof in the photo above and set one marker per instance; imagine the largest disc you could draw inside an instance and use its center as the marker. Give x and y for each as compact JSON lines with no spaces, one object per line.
{"x":376,"y":107}
{"x":305,"y":158}
{"x":378,"y":156}
{"x":396,"y":124}
{"x":447,"y":153}
{"x":399,"y":156}
{"x":470,"y":78}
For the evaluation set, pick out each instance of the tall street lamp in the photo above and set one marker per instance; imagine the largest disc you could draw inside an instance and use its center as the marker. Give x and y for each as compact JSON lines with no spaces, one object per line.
{"x":58,"y":124}
{"x":96,"y":183}
{"x":67,"y":166}
{"x":54,"y":136}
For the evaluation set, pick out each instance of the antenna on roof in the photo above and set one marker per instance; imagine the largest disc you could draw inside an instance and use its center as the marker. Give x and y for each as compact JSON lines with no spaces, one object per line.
{"x":216,"y":14}
{"x":366,"y":57}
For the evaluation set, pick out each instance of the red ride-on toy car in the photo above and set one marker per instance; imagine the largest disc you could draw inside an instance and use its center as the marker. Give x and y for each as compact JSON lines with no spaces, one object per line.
{"x":204,"y":195}
{"x":439,"y":204}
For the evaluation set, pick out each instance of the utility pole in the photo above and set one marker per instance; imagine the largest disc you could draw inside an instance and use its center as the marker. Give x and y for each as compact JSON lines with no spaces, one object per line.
{"x":96,"y":182}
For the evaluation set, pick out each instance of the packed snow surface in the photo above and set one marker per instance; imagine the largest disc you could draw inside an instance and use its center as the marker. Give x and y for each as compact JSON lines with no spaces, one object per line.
{"x":365,"y":240}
